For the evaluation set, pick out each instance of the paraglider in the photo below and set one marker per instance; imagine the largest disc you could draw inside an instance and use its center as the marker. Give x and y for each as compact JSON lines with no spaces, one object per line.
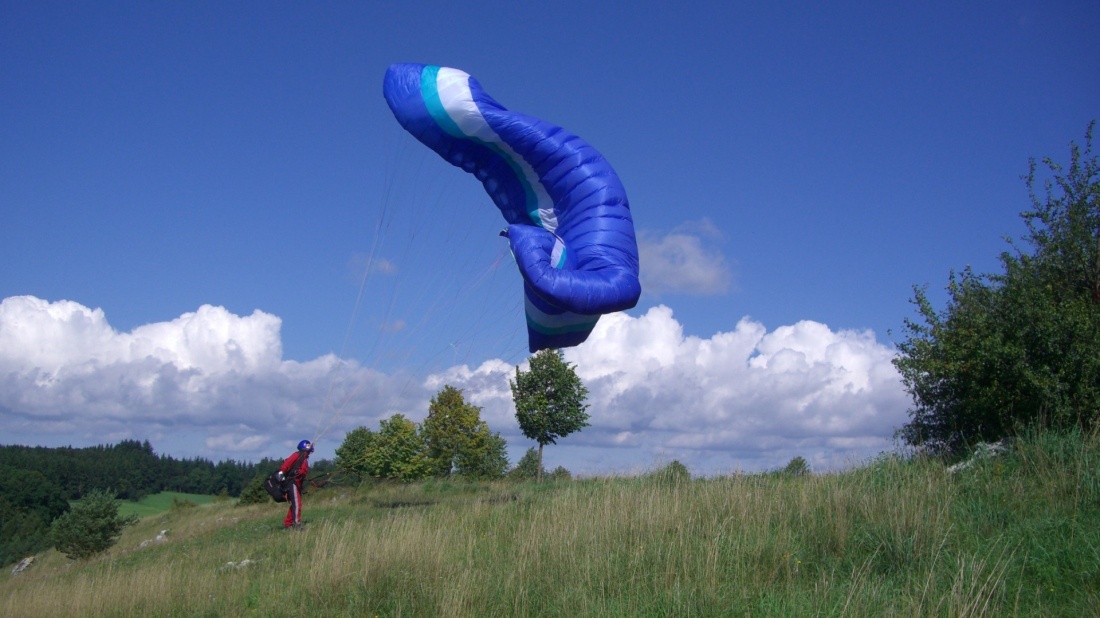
{"x":570,"y":227}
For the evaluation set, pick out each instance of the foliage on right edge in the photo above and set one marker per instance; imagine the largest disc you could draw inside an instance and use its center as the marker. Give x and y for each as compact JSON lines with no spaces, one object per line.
{"x":1021,"y":347}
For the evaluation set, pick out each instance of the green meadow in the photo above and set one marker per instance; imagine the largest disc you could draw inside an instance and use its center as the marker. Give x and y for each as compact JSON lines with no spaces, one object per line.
{"x":1013,"y":535}
{"x":159,"y":503}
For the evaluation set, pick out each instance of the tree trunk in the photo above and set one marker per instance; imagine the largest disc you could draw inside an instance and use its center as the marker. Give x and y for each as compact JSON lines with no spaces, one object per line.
{"x":538,"y":473}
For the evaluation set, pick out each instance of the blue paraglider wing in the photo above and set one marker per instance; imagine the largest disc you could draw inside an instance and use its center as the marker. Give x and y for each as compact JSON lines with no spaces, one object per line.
{"x":570,"y":227}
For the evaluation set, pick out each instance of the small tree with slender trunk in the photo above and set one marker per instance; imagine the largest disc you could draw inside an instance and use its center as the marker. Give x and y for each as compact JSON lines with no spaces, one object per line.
{"x":549,"y":400}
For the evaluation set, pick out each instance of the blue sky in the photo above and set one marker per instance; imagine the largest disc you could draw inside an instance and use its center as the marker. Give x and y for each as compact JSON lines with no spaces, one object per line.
{"x":789,"y":162}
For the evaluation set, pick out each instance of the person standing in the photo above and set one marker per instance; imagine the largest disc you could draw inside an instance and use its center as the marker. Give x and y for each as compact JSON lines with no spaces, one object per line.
{"x":292,"y":473}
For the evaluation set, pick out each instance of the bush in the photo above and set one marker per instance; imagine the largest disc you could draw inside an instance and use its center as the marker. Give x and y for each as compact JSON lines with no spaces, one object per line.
{"x":254,"y":493}
{"x":395,"y":451}
{"x":179,"y":505}
{"x":486,"y":458}
{"x":560,"y":474}
{"x":527,"y":468}
{"x":797,"y":467}
{"x":1020,"y":347}
{"x":91,"y":527}
{"x":672,"y":474}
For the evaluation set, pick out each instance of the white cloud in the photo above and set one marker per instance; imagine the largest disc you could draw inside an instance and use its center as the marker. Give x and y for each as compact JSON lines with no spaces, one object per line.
{"x":684,"y":261}
{"x":237,"y":443}
{"x":747,"y":397}
{"x":213,"y":375}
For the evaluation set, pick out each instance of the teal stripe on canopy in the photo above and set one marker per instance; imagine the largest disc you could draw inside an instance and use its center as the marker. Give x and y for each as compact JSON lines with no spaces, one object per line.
{"x":429,"y":90}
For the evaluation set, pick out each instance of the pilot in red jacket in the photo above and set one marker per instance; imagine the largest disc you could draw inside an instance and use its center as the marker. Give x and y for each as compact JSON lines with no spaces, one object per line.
{"x":293,"y":474}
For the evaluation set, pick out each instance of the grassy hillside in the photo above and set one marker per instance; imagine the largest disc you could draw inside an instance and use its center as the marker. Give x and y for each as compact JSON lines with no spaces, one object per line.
{"x":1016,"y":535}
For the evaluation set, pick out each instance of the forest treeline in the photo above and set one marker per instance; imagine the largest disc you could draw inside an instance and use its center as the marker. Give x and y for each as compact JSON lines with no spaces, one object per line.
{"x":131,"y":469}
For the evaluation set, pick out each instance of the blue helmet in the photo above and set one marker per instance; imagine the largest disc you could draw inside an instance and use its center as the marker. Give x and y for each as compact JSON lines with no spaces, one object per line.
{"x":305,"y":445}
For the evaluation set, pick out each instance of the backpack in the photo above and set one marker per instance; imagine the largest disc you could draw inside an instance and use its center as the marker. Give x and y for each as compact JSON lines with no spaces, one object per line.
{"x":279,"y":490}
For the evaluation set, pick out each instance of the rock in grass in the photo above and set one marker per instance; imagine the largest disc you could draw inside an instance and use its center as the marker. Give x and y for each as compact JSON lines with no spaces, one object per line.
{"x":22,"y":566}
{"x":236,"y":566}
{"x":985,"y":450}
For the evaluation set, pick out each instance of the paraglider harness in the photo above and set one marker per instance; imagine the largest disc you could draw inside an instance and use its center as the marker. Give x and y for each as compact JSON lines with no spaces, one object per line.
{"x":279,"y":488}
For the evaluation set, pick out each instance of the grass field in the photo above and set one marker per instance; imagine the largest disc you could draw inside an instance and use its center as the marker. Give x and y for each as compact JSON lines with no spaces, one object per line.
{"x":159,"y":503}
{"x":1017,"y":535}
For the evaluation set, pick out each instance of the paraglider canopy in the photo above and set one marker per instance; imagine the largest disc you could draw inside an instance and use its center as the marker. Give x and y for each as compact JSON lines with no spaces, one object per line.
{"x":570,"y":229}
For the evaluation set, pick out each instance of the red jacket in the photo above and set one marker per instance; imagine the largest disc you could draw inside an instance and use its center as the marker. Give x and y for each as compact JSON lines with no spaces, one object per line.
{"x":300,"y":474}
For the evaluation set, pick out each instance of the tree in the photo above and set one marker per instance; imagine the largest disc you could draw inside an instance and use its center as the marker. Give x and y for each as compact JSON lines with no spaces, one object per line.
{"x":674,"y":473}
{"x":351,"y":455}
{"x":549,"y":400}
{"x":255,"y":493}
{"x":396,"y":451}
{"x":486,"y":459}
{"x":28,"y":503}
{"x":560,"y":474}
{"x":1019,"y":347}
{"x":91,"y":527}
{"x":797,"y":466}
{"x":527,"y":467}
{"x":457,"y":440}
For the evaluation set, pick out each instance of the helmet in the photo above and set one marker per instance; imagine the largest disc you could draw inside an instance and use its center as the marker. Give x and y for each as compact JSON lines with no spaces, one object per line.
{"x":305,"y":445}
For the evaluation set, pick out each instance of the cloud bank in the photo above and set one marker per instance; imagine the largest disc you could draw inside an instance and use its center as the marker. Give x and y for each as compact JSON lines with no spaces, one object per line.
{"x":208,"y":377}
{"x":748,"y":398}
{"x":215,"y":384}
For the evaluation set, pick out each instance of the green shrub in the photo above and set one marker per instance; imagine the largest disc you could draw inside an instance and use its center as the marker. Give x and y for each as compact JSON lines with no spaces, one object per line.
{"x":560,"y":474}
{"x":672,"y":474}
{"x":254,"y":493}
{"x":797,"y":467}
{"x":91,"y":527}
{"x":527,"y":468}
{"x":179,"y":505}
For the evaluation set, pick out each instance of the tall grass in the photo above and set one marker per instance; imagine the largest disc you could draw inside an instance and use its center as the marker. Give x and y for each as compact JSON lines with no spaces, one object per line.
{"x":1014,"y":535}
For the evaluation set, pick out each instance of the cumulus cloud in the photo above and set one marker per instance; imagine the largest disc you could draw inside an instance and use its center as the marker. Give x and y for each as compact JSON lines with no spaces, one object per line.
{"x":213,"y":375}
{"x":684,"y":261}
{"x":749,"y":397}
{"x":236,"y":443}
{"x":746,"y":398}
